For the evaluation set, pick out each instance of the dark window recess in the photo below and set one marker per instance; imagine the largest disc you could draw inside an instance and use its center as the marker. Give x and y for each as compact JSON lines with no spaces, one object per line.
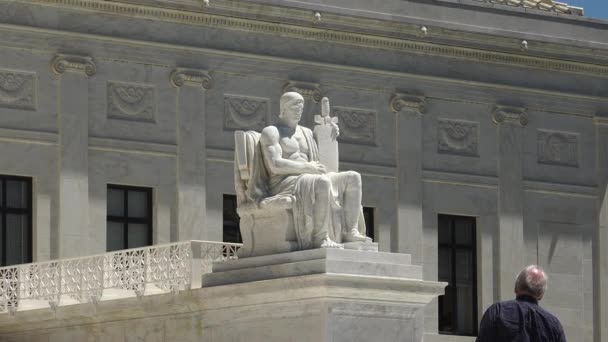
{"x":129,"y":218}
{"x":457,"y":267}
{"x":231,"y":229}
{"x":15,"y":220}
{"x":368,"y":215}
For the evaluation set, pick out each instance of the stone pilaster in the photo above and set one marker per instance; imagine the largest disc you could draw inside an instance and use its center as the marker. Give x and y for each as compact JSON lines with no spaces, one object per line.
{"x":600,"y":241}
{"x":408,"y":237}
{"x":511,"y":122}
{"x":191,"y":152}
{"x":73,"y":123}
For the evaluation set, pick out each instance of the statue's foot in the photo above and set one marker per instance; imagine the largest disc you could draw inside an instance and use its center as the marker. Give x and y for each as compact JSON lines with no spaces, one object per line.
{"x":354,"y":236}
{"x":329,"y":243}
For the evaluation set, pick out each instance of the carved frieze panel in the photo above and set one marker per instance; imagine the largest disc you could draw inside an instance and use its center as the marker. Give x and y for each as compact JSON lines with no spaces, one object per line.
{"x":457,"y":137}
{"x":18,"y":89}
{"x":131,"y":101}
{"x":245,"y":112}
{"x":357,"y":126}
{"x":558,"y":148}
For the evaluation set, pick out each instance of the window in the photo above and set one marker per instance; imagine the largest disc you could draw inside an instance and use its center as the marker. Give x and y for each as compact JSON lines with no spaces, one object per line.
{"x":129,"y":220}
{"x":232,"y":230}
{"x":368,"y":215}
{"x":15,"y":220}
{"x":457,"y":267}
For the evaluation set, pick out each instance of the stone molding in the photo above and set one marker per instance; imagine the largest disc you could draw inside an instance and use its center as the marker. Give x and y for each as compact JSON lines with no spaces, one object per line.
{"x":508,"y":114}
{"x":407,"y":102}
{"x":18,"y":89}
{"x":335,"y":36}
{"x":192,"y":77}
{"x":306,"y":89}
{"x":62,"y":63}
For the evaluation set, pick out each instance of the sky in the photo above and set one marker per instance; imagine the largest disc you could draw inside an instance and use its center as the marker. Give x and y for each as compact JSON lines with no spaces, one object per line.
{"x":593,"y":8}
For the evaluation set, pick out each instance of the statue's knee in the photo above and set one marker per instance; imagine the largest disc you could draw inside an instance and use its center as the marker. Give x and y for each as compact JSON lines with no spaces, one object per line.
{"x":323,"y":184}
{"x":353,"y":177}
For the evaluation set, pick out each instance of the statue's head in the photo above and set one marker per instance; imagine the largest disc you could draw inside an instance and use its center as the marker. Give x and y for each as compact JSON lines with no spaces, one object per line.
{"x":291,"y":106}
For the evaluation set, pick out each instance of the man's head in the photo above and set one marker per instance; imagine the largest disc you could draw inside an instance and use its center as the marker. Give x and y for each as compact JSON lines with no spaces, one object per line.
{"x":291,"y":106}
{"x":531,"y":281}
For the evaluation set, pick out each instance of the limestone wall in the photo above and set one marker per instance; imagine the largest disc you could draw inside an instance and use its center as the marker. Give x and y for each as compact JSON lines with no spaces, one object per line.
{"x":532,"y":183}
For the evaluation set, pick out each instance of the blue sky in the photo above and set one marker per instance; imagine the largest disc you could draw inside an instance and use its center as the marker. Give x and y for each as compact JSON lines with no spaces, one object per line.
{"x":593,"y":8}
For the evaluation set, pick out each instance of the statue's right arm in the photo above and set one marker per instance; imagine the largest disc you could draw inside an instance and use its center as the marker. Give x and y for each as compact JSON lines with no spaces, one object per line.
{"x":273,"y":156}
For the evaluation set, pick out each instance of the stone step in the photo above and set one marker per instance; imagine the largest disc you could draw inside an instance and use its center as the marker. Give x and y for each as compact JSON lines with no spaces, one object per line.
{"x":322,"y":253}
{"x":356,"y":263}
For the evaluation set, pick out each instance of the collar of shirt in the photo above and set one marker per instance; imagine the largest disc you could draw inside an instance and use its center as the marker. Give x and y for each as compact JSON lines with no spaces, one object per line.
{"x":527,"y":298}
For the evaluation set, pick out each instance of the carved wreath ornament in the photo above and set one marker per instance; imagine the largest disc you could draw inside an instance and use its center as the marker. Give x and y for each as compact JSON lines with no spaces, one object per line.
{"x":130,"y":101}
{"x":245,"y":112}
{"x":17,"y":90}
{"x":457,"y":137}
{"x":357,"y":126}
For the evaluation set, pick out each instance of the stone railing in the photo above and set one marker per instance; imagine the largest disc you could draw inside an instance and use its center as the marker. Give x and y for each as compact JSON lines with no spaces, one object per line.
{"x":120,"y":274}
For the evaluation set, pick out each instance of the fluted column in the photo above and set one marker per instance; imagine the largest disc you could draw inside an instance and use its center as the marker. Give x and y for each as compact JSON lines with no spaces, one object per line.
{"x":191,"y":152}
{"x":511,"y":122}
{"x":73,"y":122}
{"x":408,"y":236}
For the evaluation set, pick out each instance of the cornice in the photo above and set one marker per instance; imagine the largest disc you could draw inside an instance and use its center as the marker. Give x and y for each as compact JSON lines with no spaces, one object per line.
{"x":337,"y":36}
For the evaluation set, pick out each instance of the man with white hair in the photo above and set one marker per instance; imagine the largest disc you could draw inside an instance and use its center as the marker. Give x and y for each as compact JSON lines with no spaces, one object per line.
{"x":522,"y":319}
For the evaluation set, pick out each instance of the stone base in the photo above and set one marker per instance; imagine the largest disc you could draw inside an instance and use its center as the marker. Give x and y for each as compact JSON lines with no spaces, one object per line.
{"x":308,"y":296}
{"x":319,"y":295}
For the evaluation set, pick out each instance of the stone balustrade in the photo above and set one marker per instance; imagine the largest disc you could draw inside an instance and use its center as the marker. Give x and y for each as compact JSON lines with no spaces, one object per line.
{"x":125,"y":273}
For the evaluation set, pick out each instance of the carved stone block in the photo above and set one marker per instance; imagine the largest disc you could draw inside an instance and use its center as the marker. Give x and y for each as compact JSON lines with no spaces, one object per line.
{"x":17,"y":89}
{"x":244,"y":112}
{"x":357,"y":126}
{"x":558,"y":148}
{"x":131,"y":101}
{"x":457,"y":137}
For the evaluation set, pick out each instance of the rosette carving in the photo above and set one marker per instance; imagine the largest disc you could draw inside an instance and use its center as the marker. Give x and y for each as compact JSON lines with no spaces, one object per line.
{"x":62,"y":63}
{"x":17,"y":89}
{"x":457,"y":137}
{"x":193,"y":77}
{"x":131,"y":101}
{"x":357,"y":126}
{"x":244,"y":112}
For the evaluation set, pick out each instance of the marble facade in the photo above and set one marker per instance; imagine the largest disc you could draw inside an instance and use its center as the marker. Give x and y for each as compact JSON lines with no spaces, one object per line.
{"x":440,"y":116}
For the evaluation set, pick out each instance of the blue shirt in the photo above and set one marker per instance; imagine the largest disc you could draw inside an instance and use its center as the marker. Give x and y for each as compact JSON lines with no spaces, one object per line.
{"x":519,"y":320}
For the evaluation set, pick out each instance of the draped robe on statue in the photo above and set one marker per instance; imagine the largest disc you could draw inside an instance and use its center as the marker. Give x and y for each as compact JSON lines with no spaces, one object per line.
{"x":264,"y":186}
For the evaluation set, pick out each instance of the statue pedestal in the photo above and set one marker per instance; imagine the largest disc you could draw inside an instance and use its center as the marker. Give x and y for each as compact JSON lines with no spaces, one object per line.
{"x":317,"y":295}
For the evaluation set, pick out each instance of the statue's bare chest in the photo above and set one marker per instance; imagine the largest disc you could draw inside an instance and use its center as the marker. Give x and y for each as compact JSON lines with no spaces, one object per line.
{"x":294,"y":146}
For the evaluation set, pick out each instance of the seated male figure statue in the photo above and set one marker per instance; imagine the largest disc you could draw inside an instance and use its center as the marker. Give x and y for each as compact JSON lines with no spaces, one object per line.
{"x":327,"y":210}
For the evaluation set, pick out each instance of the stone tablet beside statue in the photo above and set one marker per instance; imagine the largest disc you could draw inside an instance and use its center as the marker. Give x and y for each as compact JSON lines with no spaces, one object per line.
{"x":287,"y":198}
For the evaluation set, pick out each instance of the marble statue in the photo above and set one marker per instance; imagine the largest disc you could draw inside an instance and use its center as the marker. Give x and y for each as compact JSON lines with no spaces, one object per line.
{"x":281,"y":169}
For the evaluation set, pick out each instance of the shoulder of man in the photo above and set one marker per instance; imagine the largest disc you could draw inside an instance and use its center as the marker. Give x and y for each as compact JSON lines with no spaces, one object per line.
{"x":552,"y":318}
{"x":270,"y":134}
